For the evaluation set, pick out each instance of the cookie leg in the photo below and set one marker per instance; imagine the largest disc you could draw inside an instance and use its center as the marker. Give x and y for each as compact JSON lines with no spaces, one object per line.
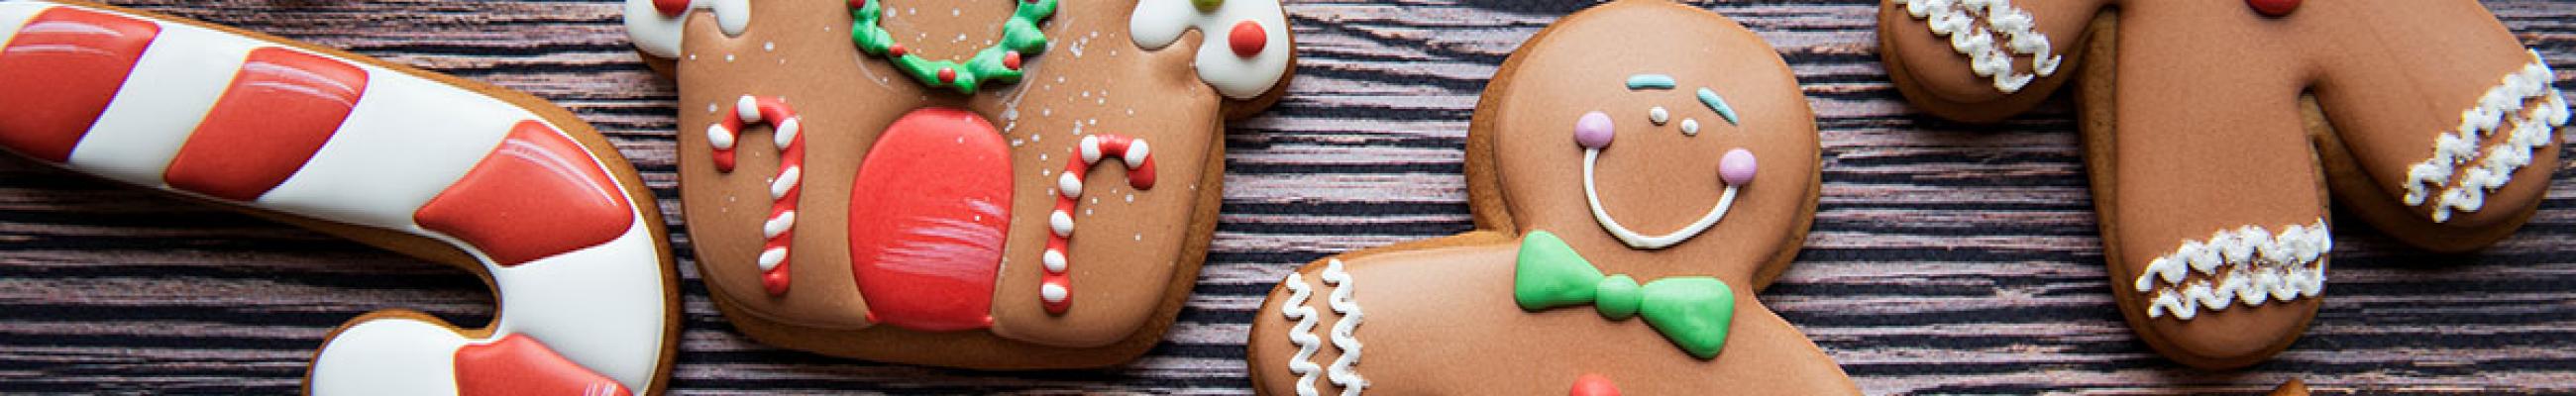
{"x":1981,"y":61}
{"x":2213,"y":212}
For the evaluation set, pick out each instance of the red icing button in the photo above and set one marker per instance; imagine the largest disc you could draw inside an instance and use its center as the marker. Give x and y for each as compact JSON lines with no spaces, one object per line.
{"x":1594,"y":385}
{"x":857,"y":4}
{"x":536,"y":195}
{"x":672,"y":8}
{"x":60,"y":72}
{"x":928,"y":212}
{"x":518,"y":364}
{"x":280,"y":109}
{"x":1011,"y":60}
{"x":2274,"y":8}
{"x":1248,"y":39}
{"x":896,"y":50}
{"x":947,"y":75}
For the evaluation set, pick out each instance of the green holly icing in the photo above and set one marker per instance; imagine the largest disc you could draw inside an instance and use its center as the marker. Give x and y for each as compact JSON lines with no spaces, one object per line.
{"x":998,"y":63}
{"x":1693,"y":311}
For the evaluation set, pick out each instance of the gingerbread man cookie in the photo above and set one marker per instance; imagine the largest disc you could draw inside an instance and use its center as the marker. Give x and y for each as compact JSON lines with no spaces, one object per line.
{"x":987,"y":184}
{"x":1638,"y":171}
{"x":495,"y":182}
{"x":2216,"y":130}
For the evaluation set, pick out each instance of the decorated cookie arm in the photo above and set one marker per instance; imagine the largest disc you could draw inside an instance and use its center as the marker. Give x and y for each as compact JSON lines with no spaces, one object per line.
{"x":1246,"y":49}
{"x":274,"y":126}
{"x":1982,"y":60}
{"x":2497,"y":137}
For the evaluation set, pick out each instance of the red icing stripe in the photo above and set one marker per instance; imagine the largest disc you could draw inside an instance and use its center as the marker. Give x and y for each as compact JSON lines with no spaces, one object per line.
{"x":280,"y":109}
{"x":60,"y":72}
{"x":520,"y":365}
{"x":927,"y":218}
{"x":538,"y":194}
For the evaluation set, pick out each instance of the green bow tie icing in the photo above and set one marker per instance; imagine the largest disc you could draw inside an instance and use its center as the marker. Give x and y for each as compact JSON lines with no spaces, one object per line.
{"x":1693,"y":311}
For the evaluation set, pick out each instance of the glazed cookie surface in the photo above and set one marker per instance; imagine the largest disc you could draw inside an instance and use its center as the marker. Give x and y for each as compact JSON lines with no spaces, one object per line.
{"x":992,"y":184}
{"x":495,"y":182}
{"x":2213,"y":155}
{"x":1638,"y":171}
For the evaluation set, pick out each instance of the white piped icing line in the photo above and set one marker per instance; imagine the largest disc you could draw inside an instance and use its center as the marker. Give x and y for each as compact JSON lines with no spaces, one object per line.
{"x":656,"y":25}
{"x":1159,"y":23}
{"x":1637,"y":240}
{"x":2247,"y":265}
{"x":1303,"y":334}
{"x":1341,"y":373}
{"x":780,"y":229}
{"x":1055,"y":289}
{"x":1991,"y":33}
{"x":2524,"y":103}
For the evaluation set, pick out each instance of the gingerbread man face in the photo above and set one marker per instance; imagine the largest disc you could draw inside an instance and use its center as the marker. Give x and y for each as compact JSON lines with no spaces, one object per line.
{"x":1638,"y":171}
{"x":2217,"y":130}
{"x":1004,"y":184}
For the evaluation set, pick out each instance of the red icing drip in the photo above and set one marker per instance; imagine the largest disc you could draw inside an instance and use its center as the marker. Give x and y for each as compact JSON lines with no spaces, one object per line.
{"x":2273,"y":8}
{"x":518,"y":364}
{"x":929,"y":213}
{"x":1247,"y":38}
{"x":1594,"y":385}
{"x":792,"y":157}
{"x":1140,"y":175}
{"x":671,"y":8}
{"x":536,"y":195}
{"x":280,"y":109}
{"x":60,"y":72}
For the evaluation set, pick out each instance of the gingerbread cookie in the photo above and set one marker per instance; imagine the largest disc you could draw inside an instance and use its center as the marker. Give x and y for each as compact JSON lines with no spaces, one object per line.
{"x":1638,"y":171}
{"x":492,"y":181}
{"x":985,"y":184}
{"x":2216,"y":130}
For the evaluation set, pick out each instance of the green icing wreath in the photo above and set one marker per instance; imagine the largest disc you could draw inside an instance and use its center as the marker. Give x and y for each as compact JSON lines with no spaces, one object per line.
{"x":999,"y":63}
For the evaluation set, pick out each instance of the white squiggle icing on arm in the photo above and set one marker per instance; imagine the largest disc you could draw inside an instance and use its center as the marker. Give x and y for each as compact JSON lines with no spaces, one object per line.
{"x":1341,"y":374}
{"x":2522,"y":101}
{"x":1302,"y":335}
{"x":1158,"y":23}
{"x":2247,"y":265}
{"x":1958,"y":20}
{"x":659,"y":34}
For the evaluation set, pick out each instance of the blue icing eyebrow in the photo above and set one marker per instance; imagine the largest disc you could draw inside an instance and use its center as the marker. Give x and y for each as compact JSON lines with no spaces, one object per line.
{"x":1650,"y":81}
{"x":1714,"y":102}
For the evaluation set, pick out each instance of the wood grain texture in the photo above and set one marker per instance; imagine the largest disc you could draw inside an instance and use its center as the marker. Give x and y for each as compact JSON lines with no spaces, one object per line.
{"x":1946,"y":258}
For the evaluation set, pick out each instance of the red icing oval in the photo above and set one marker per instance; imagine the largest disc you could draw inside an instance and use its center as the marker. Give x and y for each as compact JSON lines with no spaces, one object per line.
{"x":1594,"y":385}
{"x":2273,"y":8}
{"x":1248,"y":39}
{"x":928,"y":214}
{"x":282,"y":106}
{"x":671,"y":8}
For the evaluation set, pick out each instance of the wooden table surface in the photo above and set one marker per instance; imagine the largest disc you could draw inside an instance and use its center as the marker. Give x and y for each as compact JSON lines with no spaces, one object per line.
{"x":1946,"y":258}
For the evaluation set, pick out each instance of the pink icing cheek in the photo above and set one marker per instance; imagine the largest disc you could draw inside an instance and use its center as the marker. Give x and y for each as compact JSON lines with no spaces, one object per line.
{"x":1594,"y":130}
{"x":1736,"y":168}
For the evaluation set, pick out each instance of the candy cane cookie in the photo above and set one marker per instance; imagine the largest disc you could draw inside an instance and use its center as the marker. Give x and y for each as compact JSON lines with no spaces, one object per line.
{"x":492,"y":181}
{"x":992,"y":184}
{"x":2217,"y":133}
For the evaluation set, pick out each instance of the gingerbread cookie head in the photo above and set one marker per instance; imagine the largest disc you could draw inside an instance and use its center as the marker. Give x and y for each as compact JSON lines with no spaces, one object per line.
{"x":1638,"y":170}
{"x":991,"y":184}
{"x":2216,"y":130}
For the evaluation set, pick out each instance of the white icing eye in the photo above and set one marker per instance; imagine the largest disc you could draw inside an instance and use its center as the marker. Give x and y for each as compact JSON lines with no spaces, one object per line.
{"x":1659,"y":115}
{"x":1690,"y":127}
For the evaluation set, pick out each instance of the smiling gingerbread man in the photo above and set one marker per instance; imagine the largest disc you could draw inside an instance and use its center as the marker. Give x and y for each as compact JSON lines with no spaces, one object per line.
{"x":1638,"y":171}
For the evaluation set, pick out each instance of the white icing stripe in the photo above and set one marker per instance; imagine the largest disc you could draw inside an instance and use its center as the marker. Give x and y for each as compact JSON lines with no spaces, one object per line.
{"x":178,"y":80}
{"x":2247,"y":265}
{"x":1341,"y":372}
{"x":660,"y":35}
{"x":2523,"y":102}
{"x":600,"y":306}
{"x":406,"y":141}
{"x":15,"y":14}
{"x":1642,"y":241}
{"x":1158,"y":23}
{"x":1974,"y":27}
{"x":388,"y":356}
{"x":1302,"y":335}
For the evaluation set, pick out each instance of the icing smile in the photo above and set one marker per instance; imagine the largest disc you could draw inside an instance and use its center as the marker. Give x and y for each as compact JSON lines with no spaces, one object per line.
{"x":1594,"y":132}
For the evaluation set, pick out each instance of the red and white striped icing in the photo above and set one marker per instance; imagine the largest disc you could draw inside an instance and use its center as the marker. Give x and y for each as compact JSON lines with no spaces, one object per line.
{"x":226,"y":117}
{"x":780,"y":228}
{"x":1055,"y":289}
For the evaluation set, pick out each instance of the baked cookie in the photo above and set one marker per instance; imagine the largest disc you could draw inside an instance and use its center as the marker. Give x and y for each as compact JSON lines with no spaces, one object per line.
{"x":491,"y":181}
{"x":984,"y":184}
{"x":1637,"y":171}
{"x":2215,"y":130}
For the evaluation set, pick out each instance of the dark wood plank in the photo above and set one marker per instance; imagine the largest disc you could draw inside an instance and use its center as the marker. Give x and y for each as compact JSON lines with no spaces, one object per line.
{"x":1946,"y":258}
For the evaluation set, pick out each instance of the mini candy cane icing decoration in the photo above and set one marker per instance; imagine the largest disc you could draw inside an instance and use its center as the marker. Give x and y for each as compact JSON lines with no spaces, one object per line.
{"x":655,"y":25}
{"x":1990,"y":48}
{"x":1056,"y":288}
{"x":780,"y":229}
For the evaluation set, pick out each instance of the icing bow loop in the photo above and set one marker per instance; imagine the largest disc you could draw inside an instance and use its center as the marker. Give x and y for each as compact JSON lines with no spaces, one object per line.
{"x":1694,"y":312}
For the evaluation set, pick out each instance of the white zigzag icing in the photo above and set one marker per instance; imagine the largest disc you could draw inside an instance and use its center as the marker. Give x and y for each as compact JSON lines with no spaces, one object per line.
{"x":1341,"y":373}
{"x":2523,"y":99}
{"x":1303,"y":335}
{"x":2247,"y":265}
{"x":1958,"y":20}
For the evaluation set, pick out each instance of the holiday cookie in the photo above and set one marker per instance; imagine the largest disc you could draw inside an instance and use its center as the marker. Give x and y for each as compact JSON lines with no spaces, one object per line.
{"x":2216,"y":130}
{"x":495,"y":182}
{"x":986,"y":184}
{"x":1637,"y":171}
